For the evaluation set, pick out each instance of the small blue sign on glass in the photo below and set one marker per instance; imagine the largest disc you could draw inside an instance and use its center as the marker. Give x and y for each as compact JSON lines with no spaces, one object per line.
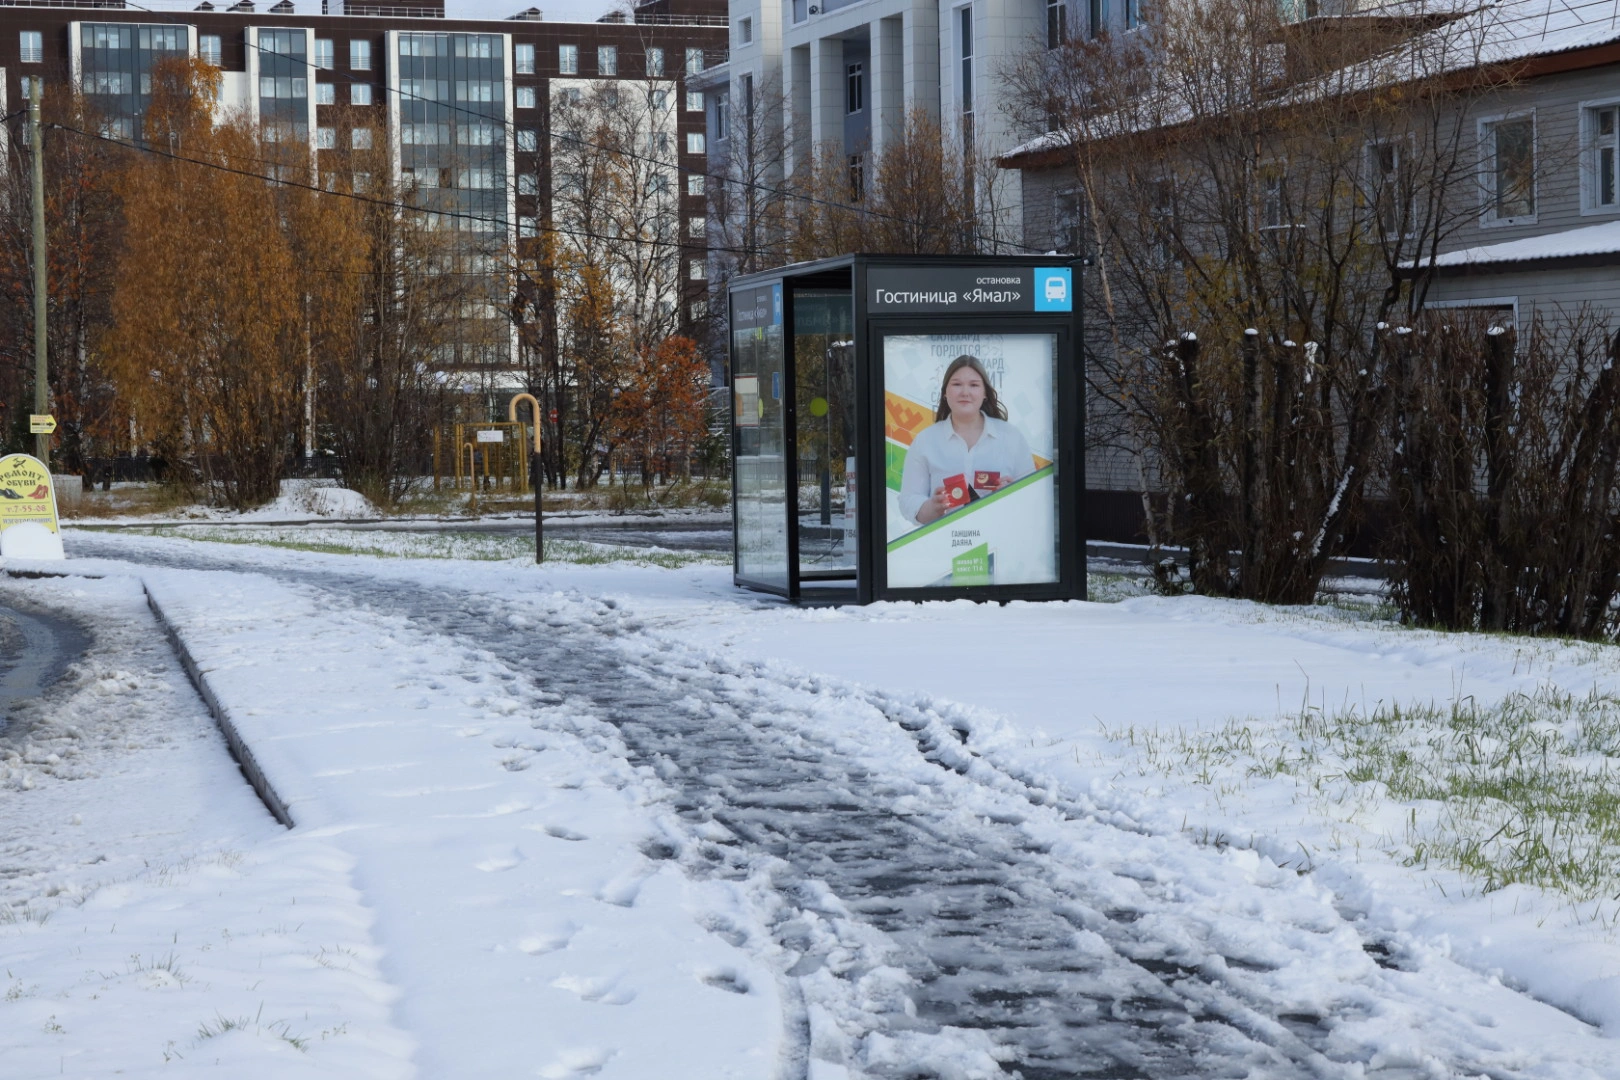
{"x":776,"y":305}
{"x":1054,"y":289}
{"x":776,"y":386}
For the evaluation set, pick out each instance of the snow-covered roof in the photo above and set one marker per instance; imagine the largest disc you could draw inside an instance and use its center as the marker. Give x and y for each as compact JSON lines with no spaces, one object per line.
{"x":1482,"y":33}
{"x":1601,"y":239}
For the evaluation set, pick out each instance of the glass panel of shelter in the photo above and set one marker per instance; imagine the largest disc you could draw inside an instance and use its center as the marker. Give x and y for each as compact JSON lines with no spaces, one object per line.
{"x":759,"y":437}
{"x":824,"y":370}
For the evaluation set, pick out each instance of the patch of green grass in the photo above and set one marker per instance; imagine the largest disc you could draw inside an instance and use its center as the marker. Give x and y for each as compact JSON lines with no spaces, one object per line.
{"x":436,"y":545}
{"x":1521,"y":791}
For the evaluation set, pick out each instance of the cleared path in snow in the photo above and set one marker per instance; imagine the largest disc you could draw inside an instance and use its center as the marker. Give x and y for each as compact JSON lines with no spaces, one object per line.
{"x":35,"y":648}
{"x":929,"y":908}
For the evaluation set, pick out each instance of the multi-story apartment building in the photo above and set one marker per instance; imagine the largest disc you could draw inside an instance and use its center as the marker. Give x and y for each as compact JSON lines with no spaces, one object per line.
{"x":463,"y":107}
{"x":842,"y":76}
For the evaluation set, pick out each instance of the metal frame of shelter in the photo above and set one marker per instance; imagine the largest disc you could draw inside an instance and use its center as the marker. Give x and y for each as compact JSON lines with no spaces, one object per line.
{"x":819,"y":437}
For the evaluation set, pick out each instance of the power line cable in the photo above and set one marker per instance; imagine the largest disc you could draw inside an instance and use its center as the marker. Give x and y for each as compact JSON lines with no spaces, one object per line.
{"x":392,"y":204}
{"x":511,"y":128}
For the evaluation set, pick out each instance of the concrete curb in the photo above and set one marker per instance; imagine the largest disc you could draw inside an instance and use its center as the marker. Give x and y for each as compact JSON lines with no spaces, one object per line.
{"x":239,"y":749}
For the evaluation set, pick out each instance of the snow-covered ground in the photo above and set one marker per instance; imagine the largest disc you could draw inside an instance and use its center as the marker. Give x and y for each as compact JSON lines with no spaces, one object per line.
{"x":626,"y":821}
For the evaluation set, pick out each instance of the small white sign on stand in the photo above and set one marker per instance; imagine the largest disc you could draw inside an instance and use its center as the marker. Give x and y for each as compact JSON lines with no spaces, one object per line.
{"x":29,"y":528}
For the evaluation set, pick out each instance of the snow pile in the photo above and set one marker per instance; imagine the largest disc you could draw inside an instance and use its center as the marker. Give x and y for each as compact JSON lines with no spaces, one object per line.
{"x":312,"y":498}
{"x":30,"y":540}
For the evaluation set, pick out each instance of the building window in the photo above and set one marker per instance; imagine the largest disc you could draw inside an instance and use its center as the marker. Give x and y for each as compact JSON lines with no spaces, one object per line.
{"x":325,"y":138}
{"x":283,"y":86}
{"x":700,"y":310}
{"x":211,"y":49}
{"x":697,"y":227}
{"x":607,"y":59}
{"x":528,"y":227}
{"x":362,"y":181}
{"x":325,"y":94}
{"x":855,"y":88}
{"x":323,"y":54}
{"x":360,"y":139}
{"x":694,"y":184}
{"x":525,"y":97}
{"x":359,"y":93}
{"x":745,"y":31}
{"x":1163,"y":223}
{"x":568,"y":59}
{"x":722,"y":111}
{"x":1602,"y":157}
{"x":32,"y":45}
{"x":857,"y":177}
{"x":1391,"y":192}
{"x":1097,"y":10}
{"x":694,"y":101}
{"x":964,"y":19}
{"x":655,"y":61}
{"x":695,"y":142}
{"x":33,"y":86}
{"x":697,"y":270}
{"x":1510,"y":172}
{"x":523,"y":59}
{"x":528,"y":184}
{"x":1057,"y":23}
{"x":660,"y":100}
{"x":1133,"y":14}
{"x":360,"y":55}
{"x":1273,"y":198}
{"x":528,"y":140}
{"x":694,"y":61}
{"x":660,"y":142}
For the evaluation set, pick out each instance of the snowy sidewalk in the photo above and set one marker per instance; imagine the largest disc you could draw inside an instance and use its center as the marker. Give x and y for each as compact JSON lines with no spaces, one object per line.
{"x":525,"y":931}
{"x":495,"y":886}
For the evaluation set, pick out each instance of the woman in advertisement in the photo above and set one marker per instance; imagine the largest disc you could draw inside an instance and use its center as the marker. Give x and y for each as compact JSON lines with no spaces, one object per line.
{"x":969,"y":452}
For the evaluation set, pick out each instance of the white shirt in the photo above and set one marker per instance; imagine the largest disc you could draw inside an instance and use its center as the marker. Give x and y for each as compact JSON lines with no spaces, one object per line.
{"x":938,"y":451}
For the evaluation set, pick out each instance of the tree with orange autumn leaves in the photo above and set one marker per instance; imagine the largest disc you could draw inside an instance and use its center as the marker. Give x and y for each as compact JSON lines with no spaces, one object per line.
{"x":208,"y":342}
{"x":658,"y":417}
{"x":248,"y":294}
{"x":207,"y":287}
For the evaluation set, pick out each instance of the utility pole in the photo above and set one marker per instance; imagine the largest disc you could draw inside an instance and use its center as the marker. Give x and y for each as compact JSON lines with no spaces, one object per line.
{"x":42,"y":405}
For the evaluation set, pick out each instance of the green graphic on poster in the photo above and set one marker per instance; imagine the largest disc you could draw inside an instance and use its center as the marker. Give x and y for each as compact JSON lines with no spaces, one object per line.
{"x":972,"y":567}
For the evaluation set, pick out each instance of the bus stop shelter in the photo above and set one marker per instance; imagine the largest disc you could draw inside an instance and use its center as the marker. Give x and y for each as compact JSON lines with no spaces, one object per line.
{"x":908,"y":427}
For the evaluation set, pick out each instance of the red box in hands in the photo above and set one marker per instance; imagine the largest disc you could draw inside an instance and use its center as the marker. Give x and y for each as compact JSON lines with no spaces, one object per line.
{"x":956,"y":491}
{"x":986,"y":481}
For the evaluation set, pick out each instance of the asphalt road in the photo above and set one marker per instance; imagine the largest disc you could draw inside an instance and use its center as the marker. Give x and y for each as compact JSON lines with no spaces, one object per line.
{"x":35,"y":648}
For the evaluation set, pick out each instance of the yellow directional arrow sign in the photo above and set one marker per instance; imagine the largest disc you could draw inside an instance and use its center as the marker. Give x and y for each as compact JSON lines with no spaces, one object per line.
{"x":39,"y":424}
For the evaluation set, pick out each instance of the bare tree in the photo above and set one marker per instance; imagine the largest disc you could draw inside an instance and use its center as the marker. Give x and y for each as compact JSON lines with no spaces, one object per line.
{"x":382,"y":313}
{"x":1254,"y":194}
{"x":922,"y":193}
{"x":612,"y":259}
